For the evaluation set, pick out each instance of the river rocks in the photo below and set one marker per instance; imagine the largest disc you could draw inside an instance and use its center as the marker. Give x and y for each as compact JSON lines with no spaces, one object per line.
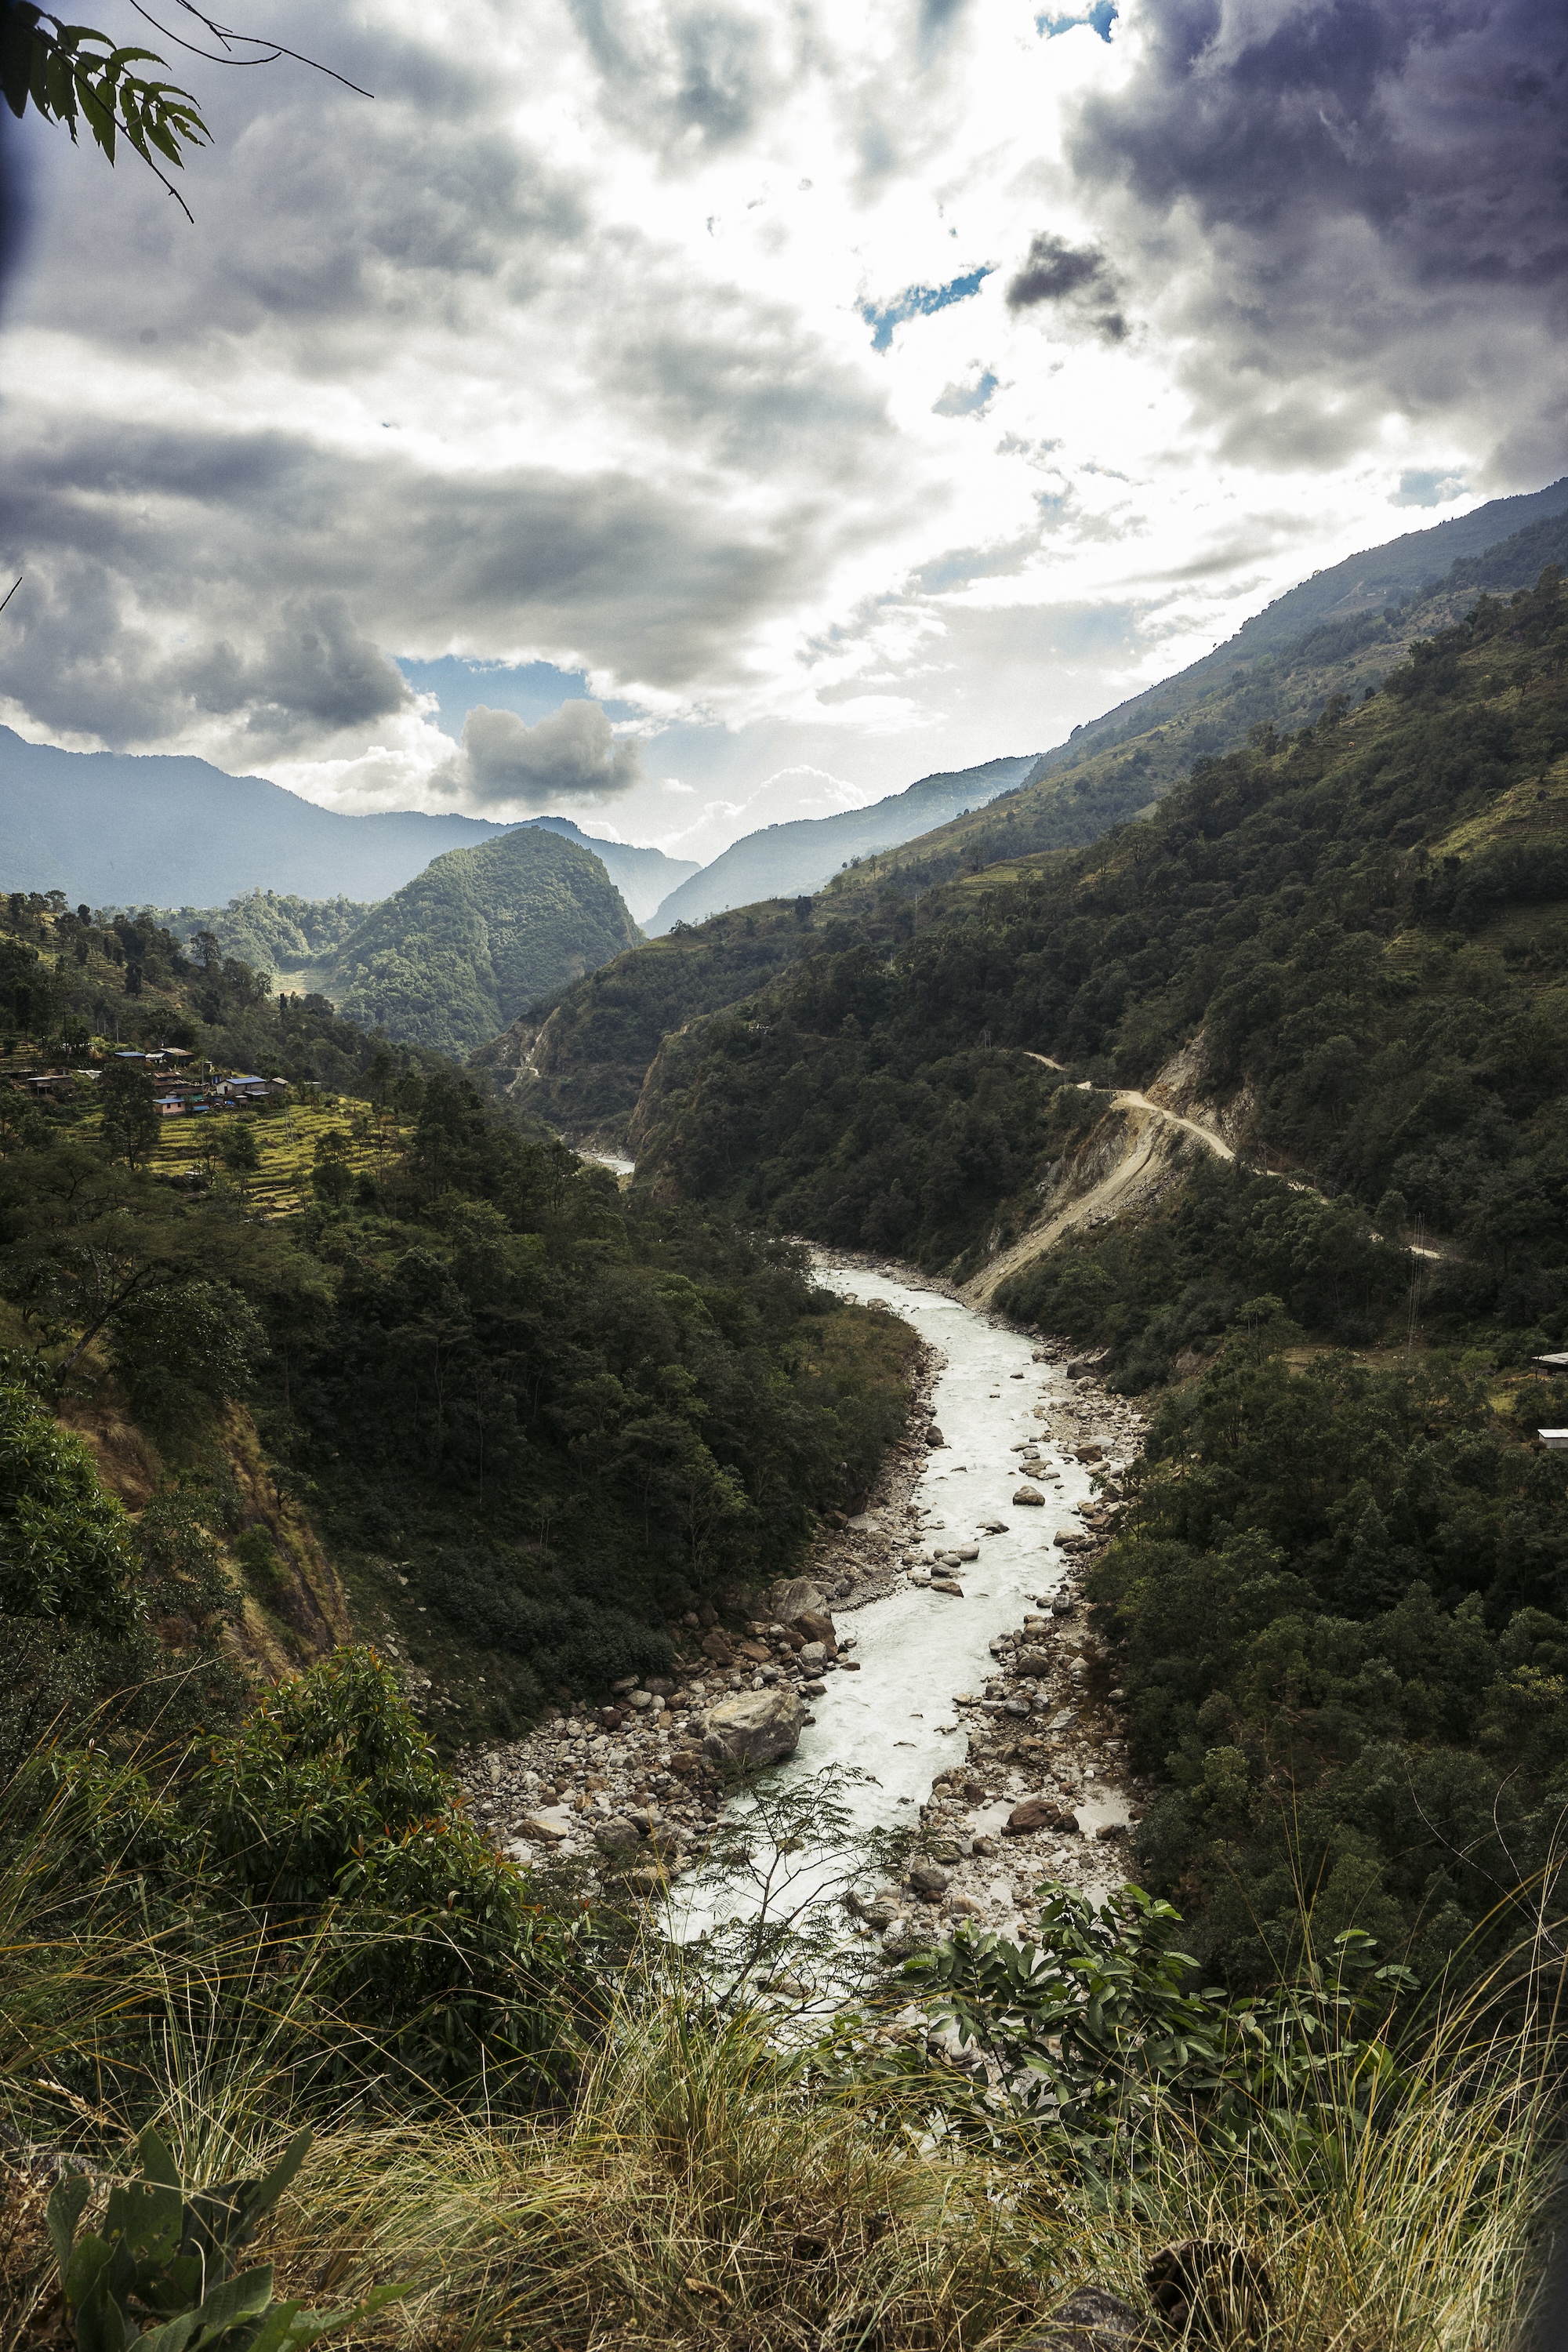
{"x":813,"y":1656}
{"x":755,"y":1727}
{"x":798,"y":1596}
{"x":541,"y":1829}
{"x":928,"y":1878}
{"x":1032,"y":1663}
{"x":616,"y":1833}
{"x":1037,"y":1813}
{"x":934,"y":1437}
{"x":1028,"y":1498}
{"x":815,"y":1624}
{"x":946,"y":1584}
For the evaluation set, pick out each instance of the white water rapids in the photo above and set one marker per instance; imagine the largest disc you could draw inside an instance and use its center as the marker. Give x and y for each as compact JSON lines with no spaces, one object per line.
{"x":895,"y":1721}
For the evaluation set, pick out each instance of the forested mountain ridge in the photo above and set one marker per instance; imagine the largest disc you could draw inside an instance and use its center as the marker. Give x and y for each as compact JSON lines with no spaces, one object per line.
{"x":481,"y":933}
{"x":1501,"y":545}
{"x":1364,"y":922}
{"x":1117,"y":767}
{"x":583,"y":1067}
{"x":797,"y":857}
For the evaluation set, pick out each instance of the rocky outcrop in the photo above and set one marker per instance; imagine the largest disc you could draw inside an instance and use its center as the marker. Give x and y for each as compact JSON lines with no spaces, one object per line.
{"x":754,"y":1727}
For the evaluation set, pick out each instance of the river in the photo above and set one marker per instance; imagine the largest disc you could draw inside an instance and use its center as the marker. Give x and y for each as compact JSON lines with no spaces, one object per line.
{"x":895,"y":1722}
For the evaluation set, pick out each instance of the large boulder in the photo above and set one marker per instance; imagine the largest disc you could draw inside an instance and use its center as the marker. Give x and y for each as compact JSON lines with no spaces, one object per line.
{"x":798,"y":1596}
{"x":754,"y":1727}
{"x":818,"y":1626}
{"x":1035,"y":1662}
{"x":1037,"y":1813}
{"x":1028,"y":1498}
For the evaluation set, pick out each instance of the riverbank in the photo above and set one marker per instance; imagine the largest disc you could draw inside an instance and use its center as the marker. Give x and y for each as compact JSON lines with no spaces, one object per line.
{"x":958,"y":1684}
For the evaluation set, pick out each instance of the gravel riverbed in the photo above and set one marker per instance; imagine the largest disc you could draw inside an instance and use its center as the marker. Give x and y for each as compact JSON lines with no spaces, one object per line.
{"x":936,"y":1644}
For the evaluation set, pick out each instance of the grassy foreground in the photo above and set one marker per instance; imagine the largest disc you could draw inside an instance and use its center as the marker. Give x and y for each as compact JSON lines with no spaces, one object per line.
{"x":692,"y":2179}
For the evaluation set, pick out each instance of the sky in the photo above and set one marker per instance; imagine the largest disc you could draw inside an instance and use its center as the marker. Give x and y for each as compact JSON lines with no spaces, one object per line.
{"x":690,"y":415}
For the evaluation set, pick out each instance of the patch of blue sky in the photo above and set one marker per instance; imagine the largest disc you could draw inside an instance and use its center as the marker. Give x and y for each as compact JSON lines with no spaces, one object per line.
{"x":1424,"y":486}
{"x":1099,"y":19}
{"x":533,"y":689}
{"x":920,"y":302}
{"x":966,"y":400}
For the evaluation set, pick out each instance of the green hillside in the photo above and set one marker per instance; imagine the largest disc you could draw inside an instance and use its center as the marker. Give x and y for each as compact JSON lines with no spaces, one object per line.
{"x":293,"y":938}
{"x":455,"y":954}
{"x":583,"y":1067}
{"x":1364,"y":922}
{"x":1111,"y":770}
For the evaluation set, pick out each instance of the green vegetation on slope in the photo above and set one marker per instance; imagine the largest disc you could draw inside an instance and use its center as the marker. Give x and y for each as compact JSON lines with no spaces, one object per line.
{"x":69,"y":976}
{"x":1365,"y":925}
{"x":583,"y":1070}
{"x":570,"y":1417}
{"x":568,"y":1420}
{"x":455,"y":954}
{"x":1341,"y":1616}
{"x":581,"y":1065}
{"x":271,"y":931}
{"x":1134,"y":756}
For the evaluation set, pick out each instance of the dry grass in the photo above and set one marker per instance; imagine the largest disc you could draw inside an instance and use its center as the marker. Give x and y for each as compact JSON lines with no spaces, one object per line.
{"x":701,"y":2192}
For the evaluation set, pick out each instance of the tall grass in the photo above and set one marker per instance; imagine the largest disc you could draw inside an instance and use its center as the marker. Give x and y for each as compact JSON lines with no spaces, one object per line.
{"x":703,"y":2188}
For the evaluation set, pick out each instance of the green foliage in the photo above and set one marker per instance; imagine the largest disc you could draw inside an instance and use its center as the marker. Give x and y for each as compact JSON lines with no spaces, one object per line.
{"x":574,"y":1416}
{"x":1294,"y":904}
{"x":1339,"y":1606}
{"x":183,"y":1349}
{"x":65,"y":1546}
{"x":160,"y":2273}
{"x":480,"y":934}
{"x":72,"y":74}
{"x":325,"y":1814}
{"x":1096,"y":2034}
{"x":592,"y":1055}
{"x":66,"y":975}
{"x":268,"y":930}
{"x":130,"y":1120}
{"x":1196,"y":1266}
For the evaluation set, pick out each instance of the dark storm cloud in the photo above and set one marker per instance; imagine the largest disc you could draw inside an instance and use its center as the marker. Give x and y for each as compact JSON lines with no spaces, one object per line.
{"x":1057,"y":272}
{"x":571,"y":755}
{"x":312,"y":673}
{"x":153,"y":561}
{"x":1367,"y":191}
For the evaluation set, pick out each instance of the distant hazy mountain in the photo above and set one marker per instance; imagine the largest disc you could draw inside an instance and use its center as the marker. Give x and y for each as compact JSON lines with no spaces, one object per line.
{"x":802,"y":854}
{"x":118,"y":829}
{"x":1402,"y":569}
{"x":643,"y":877}
{"x":123,"y":829}
{"x":455,"y":954}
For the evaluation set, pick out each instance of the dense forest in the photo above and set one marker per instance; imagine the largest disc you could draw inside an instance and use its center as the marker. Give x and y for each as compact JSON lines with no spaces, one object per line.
{"x":1361,"y":922}
{"x":1337,"y":1605}
{"x":478,"y":936}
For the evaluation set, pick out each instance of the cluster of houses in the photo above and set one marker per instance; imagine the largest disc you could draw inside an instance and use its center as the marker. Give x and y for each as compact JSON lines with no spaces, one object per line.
{"x":179,"y":1089}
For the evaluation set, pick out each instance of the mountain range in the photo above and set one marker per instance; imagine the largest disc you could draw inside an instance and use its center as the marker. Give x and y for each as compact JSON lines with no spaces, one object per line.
{"x":783,"y":860}
{"x":124,"y":829}
{"x":585,"y":1063}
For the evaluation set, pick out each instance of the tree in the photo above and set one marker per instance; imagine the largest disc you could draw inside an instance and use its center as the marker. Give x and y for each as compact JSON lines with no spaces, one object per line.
{"x":130,"y":1119}
{"x":74,"y":74}
{"x":65,"y":1545}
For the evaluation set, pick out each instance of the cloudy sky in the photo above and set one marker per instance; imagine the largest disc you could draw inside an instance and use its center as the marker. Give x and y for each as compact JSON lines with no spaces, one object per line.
{"x":689,"y":413}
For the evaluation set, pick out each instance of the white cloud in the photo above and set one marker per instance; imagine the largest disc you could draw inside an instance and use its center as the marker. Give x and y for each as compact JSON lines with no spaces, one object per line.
{"x":564,"y":350}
